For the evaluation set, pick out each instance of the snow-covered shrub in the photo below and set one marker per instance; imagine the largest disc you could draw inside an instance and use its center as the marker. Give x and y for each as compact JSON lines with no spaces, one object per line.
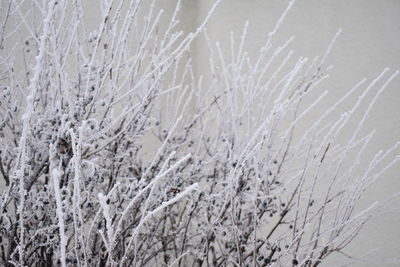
{"x":113,"y":153}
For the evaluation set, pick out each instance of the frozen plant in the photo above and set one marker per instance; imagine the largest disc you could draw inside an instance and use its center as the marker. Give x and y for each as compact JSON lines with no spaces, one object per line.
{"x":113,"y":153}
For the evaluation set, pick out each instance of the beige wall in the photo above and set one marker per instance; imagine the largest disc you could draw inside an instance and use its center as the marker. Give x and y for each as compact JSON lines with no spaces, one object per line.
{"x":370,"y":42}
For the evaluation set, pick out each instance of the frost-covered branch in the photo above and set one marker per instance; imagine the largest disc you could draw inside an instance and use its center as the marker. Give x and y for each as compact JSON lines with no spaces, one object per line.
{"x":115,"y":153}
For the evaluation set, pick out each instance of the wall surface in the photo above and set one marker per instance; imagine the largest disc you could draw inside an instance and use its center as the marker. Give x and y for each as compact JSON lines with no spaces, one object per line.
{"x":370,"y":41}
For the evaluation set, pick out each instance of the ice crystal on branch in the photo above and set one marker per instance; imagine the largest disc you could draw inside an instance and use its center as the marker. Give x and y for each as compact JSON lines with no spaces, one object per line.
{"x":113,"y":152}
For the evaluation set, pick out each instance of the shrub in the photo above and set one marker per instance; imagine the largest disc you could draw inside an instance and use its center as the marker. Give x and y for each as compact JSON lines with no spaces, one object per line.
{"x":113,"y":152}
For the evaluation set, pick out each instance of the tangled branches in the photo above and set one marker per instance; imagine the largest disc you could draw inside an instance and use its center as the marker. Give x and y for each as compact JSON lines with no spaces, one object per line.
{"x":113,"y":153}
